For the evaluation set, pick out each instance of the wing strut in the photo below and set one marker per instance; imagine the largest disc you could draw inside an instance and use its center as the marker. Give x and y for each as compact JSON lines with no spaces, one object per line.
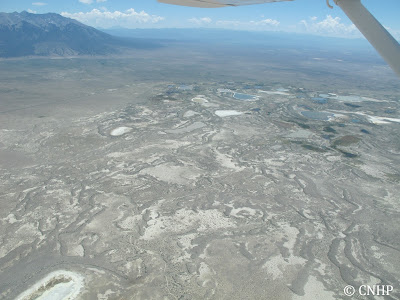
{"x":373,"y":31}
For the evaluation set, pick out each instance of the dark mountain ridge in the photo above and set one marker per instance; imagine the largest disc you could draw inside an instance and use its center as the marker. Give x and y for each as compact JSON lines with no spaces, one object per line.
{"x":25,"y":34}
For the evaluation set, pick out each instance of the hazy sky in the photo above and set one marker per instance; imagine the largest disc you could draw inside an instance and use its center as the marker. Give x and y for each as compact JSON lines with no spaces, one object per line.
{"x":305,"y":16}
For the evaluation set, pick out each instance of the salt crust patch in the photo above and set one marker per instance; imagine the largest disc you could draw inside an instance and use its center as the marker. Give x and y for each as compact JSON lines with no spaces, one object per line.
{"x":275,"y":162}
{"x":314,"y":290}
{"x":189,"y":128}
{"x":78,"y":250}
{"x":26,"y":234}
{"x":226,"y":161}
{"x":185,"y":220}
{"x":205,"y":273}
{"x":300,"y":134}
{"x":224,"y":91}
{"x":106,"y":295}
{"x":189,"y":113}
{"x":243,"y":212}
{"x":130,"y":222}
{"x":185,"y":243}
{"x":275,"y":93}
{"x":372,"y":170}
{"x":68,"y":289}
{"x":276,"y":265}
{"x":204,"y":102}
{"x":117,"y":154}
{"x":173,"y":174}
{"x":167,"y":144}
{"x":120,"y":131}
{"x":354,"y":98}
{"x":392,"y":199}
{"x":226,"y":113}
{"x":379,"y":120}
{"x":11,"y":219}
{"x":200,"y":100}
{"x":373,"y":119}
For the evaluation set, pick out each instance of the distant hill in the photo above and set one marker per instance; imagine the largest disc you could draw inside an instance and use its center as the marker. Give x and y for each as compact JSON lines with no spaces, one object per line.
{"x":262,"y":38}
{"x":24,"y":34}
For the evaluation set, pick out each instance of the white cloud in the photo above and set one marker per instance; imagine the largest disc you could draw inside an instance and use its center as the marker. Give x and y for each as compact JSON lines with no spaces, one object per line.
{"x":32,"y":11}
{"x":330,"y":26}
{"x":100,"y":1}
{"x":39,"y":3}
{"x":200,"y":21}
{"x":266,"y":22}
{"x":107,"y":19}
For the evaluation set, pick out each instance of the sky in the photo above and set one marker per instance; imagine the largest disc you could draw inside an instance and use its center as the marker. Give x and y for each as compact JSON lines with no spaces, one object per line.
{"x":300,"y":16}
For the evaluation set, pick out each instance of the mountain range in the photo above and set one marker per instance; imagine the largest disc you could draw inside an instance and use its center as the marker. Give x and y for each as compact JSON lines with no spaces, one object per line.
{"x":26,"y":34}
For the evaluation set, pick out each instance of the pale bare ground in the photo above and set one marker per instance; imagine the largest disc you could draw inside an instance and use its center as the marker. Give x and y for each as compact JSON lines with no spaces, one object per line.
{"x":146,"y":194}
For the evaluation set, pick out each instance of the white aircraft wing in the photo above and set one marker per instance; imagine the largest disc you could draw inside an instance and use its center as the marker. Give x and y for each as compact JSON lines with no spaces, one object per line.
{"x":216,"y":3}
{"x":375,"y":33}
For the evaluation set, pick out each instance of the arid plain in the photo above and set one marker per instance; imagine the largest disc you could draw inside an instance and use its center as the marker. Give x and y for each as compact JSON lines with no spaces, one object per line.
{"x":198,"y":176}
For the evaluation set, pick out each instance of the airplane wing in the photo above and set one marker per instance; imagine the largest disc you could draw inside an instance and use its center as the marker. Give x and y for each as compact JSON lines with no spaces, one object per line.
{"x":374,"y":32}
{"x":216,"y":3}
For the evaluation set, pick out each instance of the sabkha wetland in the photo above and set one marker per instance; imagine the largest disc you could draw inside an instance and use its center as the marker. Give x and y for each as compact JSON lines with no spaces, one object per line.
{"x":199,"y":170}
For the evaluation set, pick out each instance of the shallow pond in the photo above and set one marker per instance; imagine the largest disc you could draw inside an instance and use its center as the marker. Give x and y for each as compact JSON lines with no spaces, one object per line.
{"x":241,"y":96}
{"x":317,"y":115}
{"x":319,"y":100}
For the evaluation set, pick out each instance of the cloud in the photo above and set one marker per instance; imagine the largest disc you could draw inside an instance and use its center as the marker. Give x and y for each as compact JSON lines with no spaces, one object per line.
{"x":200,"y":21}
{"x":39,"y":3}
{"x":31,"y":11}
{"x":266,"y":22}
{"x":107,"y":19}
{"x":330,"y":26}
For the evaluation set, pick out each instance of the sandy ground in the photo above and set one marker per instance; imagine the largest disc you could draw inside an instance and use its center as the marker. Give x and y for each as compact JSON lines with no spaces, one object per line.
{"x":144,"y":191}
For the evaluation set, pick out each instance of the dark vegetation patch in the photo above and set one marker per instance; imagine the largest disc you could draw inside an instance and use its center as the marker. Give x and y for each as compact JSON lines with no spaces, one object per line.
{"x":309,"y":146}
{"x":162,"y":97}
{"x":346,"y":140}
{"x":348,"y":154}
{"x":352,"y":105}
{"x":313,"y":148}
{"x":302,"y":125}
{"x":365,"y":131}
{"x":393,"y":177}
{"x":329,"y":129}
{"x":284,"y":124}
